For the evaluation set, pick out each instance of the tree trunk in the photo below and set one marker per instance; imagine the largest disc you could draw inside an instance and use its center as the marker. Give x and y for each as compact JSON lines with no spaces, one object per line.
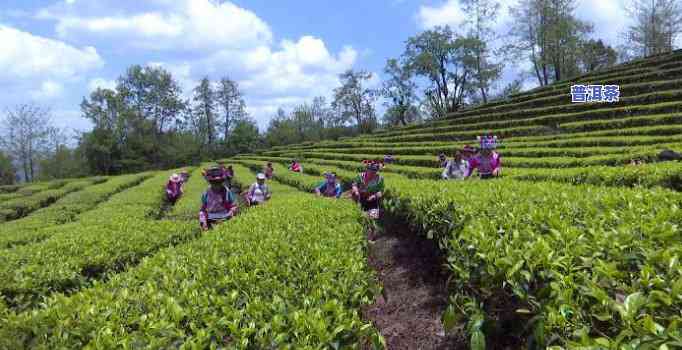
{"x":227,"y":120}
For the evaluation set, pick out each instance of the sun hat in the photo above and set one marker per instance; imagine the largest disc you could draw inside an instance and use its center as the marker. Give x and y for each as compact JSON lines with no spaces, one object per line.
{"x":214,"y":174}
{"x":260,"y":176}
{"x":374,"y":166}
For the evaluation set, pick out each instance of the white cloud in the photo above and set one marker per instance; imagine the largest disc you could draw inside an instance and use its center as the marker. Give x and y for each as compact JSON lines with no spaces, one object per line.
{"x":609,"y":19}
{"x":24,"y":55}
{"x":101,"y":83}
{"x":172,"y":25}
{"x":210,"y":38}
{"x":449,"y":13}
{"x":289,"y":74}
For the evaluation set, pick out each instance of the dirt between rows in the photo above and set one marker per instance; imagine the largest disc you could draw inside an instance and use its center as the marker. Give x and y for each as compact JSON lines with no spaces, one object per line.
{"x":411,"y":270}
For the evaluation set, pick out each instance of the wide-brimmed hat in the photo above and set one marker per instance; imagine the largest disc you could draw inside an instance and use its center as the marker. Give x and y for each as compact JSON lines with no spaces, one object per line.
{"x":373,"y":166}
{"x":260,"y":176}
{"x":214,"y":174}
{"x":330,"y":175}
{"x":175,"y":178}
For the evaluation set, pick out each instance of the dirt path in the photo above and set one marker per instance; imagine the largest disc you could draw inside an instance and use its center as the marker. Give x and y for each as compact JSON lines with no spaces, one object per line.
{"x":408,"y":316}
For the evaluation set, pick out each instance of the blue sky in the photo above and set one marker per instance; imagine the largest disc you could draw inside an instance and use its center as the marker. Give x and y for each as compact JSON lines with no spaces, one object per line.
{"x":281,"y":52}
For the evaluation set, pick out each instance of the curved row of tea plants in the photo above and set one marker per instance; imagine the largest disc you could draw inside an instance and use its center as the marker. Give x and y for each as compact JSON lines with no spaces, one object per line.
{"x":277,"y":276}
{"x":20,"y":207}
{"x":562,"y":265}
{"x":37,"y":225}
{"x":118,"y":232}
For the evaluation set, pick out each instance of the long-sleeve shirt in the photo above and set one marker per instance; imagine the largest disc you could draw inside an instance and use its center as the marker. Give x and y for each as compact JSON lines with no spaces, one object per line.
{"x":329,"y":190}
{"x":258,"y":193}
{"x":269,"y":171}
{"x":173,"y":189}
{"x":369,"y":187}
{"x":217,"y":205}
{"x":484,"y":165}
{"x":456,"y":170}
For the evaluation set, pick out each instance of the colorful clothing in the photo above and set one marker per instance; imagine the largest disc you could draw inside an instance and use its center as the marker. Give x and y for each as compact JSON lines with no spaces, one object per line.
{"x":455,"y":170}
{"x":173,"y":190}
{"x":485,"y":165}
{"x":229,"y":173}
{"x":330,"y":190}
{"x":258,"y":193}
{"x":217,"y":205}
{"x":367,"y":187}
{"x":296,"y":167}
{"x":269,"y":171}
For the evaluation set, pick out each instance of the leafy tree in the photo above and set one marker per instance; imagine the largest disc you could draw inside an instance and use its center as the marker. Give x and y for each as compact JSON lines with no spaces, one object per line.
{"x":596,"y":55}
{"x":549,"y":34}
{"x":481,"y":15}
{"x":448,"y":61}
{"x":281,"y":130}
{"x":245,"y":137}
{"x":353,"y":101}
{"x":657,"y":23}
{"x":396,"y":116}
{"x":7,"y":174}
{"x":204,"y":109}
{"x":400,"y":90}
{"x":153,"y":94}
{"x":231,"y":103}
{"x":26,"y":130}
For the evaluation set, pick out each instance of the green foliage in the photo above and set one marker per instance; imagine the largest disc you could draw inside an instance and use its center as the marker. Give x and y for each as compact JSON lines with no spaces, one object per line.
{"x":41,"y":223}
{"x":7,"y":173}
{"x":566,"y":254}
{"x":22,"y":206}
{"x":275,"y":277}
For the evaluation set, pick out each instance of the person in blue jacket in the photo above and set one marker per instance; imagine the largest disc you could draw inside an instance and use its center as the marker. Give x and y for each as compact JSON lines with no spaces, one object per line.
{"x":329,"y":187}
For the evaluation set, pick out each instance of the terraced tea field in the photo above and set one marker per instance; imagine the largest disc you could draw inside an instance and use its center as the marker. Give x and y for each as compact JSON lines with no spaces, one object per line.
{"x":571,"y":249}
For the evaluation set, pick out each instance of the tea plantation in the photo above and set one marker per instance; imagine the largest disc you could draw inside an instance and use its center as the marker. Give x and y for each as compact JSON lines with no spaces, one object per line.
{"x":573,"y":248}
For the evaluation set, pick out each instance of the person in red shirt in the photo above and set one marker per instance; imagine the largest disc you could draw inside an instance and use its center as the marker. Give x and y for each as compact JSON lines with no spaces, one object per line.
{"x":295,"y":166}
{"x":269,"y":171}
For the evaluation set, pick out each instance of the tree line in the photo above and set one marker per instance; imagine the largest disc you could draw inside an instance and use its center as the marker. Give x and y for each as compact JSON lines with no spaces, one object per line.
{"x":145,"y":123}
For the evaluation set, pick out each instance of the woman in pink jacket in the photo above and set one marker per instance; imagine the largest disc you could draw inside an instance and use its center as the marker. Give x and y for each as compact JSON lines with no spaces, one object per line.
{"x":487,"y":162}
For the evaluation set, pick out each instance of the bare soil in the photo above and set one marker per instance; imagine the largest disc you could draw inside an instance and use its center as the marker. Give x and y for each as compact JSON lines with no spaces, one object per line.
{"x":411,"y":270}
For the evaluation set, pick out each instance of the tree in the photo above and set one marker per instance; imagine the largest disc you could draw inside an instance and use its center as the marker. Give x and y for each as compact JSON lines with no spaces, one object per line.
{"x":7,"y":174}
{"x":657,"y":23}
{"x":548,"y":33}
{"x":396,"y":116}
{"x":231,"y":103}
{"x":204,"y":109}
{"x":59,"y":161}
{"x":481,"y":15}
{"x":103,"y":146}
{"x":353,"y":101}
{"x":245,"y":137}
{"x":595,"y":55}
{"x":26,"y":136}
{"x":153,"y":94}
{"x":400,"y":90}
{"x":281,"y":130}
{"x":448,"y":61}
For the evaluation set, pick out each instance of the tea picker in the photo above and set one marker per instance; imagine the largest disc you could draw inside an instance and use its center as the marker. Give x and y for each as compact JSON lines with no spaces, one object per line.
{"x":329,"y":187}
{"x":218,"y":203}
{"x":487,"y":162}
